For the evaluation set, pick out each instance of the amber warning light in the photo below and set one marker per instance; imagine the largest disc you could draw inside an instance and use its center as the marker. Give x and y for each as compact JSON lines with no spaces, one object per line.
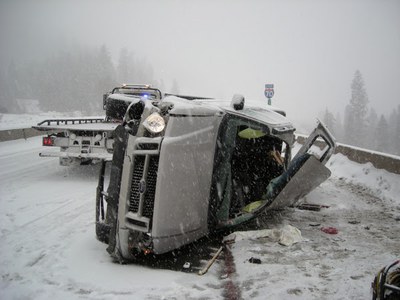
{"x":48,"y":141}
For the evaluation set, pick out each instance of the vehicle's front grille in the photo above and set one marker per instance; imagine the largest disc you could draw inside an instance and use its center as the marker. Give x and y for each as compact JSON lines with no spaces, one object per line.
{"x":145,"y":179}
{"x":151,"y":181}
{"x":138,"y":167}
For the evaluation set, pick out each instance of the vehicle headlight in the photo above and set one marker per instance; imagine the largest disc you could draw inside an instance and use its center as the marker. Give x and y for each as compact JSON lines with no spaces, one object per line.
{"x":154,"y":123}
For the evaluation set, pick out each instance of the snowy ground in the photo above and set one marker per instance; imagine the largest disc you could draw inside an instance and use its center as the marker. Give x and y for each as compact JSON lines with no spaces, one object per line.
{"x":48,"y":248}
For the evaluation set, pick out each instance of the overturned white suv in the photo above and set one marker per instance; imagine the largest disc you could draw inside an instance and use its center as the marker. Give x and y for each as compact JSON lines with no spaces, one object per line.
{"x":183,"y":167}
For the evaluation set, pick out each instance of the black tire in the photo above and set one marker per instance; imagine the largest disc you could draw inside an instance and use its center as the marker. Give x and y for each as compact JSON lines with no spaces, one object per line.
{"x":103,"y":232}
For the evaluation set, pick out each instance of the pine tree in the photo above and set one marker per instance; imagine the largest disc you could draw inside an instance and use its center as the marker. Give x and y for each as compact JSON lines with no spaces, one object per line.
{"x":396,"y":137}
{"x":392,"y":122}
{"x":372,"y":123}
{"x":329,"y":121}
{"x":348,"y":125}
{"x":126,"y":67}
{"x":355,"y":129}
{"x":13,"y":87}
{"x":73,"y":79}
{"x":104,"y":78}
{"x":338,"y":129}
{"x":382,"y":135}
{"x":6,"y":93}
{"x":3,"y":93}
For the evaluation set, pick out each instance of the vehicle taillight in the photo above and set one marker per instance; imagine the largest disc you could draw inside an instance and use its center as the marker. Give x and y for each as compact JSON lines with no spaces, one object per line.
{"x":48,"y":141}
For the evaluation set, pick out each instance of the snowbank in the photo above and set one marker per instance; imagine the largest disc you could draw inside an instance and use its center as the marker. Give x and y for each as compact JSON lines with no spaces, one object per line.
{"x":380,"y":183}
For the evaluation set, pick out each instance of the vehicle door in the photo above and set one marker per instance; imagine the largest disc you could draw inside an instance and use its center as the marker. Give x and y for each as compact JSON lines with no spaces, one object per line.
{"x":305,"y":172}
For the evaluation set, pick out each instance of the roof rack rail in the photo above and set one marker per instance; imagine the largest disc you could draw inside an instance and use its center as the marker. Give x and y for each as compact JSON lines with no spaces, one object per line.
{"x":129,"y":85}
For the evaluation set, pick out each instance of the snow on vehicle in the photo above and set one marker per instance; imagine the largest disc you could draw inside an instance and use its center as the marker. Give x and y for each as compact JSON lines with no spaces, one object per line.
{"x":183,"y":168}
{"x":85,"y":140}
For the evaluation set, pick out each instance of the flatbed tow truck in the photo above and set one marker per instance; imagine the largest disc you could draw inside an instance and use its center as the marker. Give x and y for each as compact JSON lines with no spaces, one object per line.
{"x":91,"y":139}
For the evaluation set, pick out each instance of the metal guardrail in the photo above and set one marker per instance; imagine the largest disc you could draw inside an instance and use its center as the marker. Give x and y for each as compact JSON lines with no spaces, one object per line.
{"x":15,"y":134}
{"x":388,"y":162}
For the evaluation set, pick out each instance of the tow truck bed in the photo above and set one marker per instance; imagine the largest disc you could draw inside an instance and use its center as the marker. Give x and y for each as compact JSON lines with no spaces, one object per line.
{"x":78,"y":139}
{"x":83,"y":124}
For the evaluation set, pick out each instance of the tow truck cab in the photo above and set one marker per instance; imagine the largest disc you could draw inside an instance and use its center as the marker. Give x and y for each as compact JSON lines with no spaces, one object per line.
{"x":116,"y":102}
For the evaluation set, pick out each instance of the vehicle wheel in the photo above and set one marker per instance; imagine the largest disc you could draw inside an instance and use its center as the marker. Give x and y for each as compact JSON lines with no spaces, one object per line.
{"x":85,"y":162}
{"x":103,"y":232}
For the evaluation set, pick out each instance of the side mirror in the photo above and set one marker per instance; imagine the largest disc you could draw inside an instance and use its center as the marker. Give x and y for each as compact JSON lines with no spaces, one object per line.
{"x":237,"y":102}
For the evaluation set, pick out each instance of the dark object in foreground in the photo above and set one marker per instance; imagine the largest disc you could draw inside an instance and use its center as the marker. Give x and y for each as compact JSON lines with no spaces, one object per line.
{"x":255,"y":260}
{"x":386,"y":285}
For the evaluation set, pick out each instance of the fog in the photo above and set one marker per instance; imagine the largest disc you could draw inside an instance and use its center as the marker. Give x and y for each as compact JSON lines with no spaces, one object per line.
{"x":309,"y":50}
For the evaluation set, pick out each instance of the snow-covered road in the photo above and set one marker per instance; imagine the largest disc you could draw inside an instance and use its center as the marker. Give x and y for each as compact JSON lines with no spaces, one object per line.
{"x":48,"y":248}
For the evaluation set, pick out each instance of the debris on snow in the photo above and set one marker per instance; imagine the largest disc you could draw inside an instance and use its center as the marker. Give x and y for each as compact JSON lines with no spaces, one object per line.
{"x":286,"y":236}
{"x":254,"y":260}
{"x":329,"y":230}
{"x":310,"y":206}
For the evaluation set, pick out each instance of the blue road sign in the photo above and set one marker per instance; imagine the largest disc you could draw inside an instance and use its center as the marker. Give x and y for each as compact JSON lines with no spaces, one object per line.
{"x":269,"y":91}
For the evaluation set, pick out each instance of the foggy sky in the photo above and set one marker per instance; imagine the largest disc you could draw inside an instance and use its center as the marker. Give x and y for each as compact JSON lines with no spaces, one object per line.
{"x":309,"y":49}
